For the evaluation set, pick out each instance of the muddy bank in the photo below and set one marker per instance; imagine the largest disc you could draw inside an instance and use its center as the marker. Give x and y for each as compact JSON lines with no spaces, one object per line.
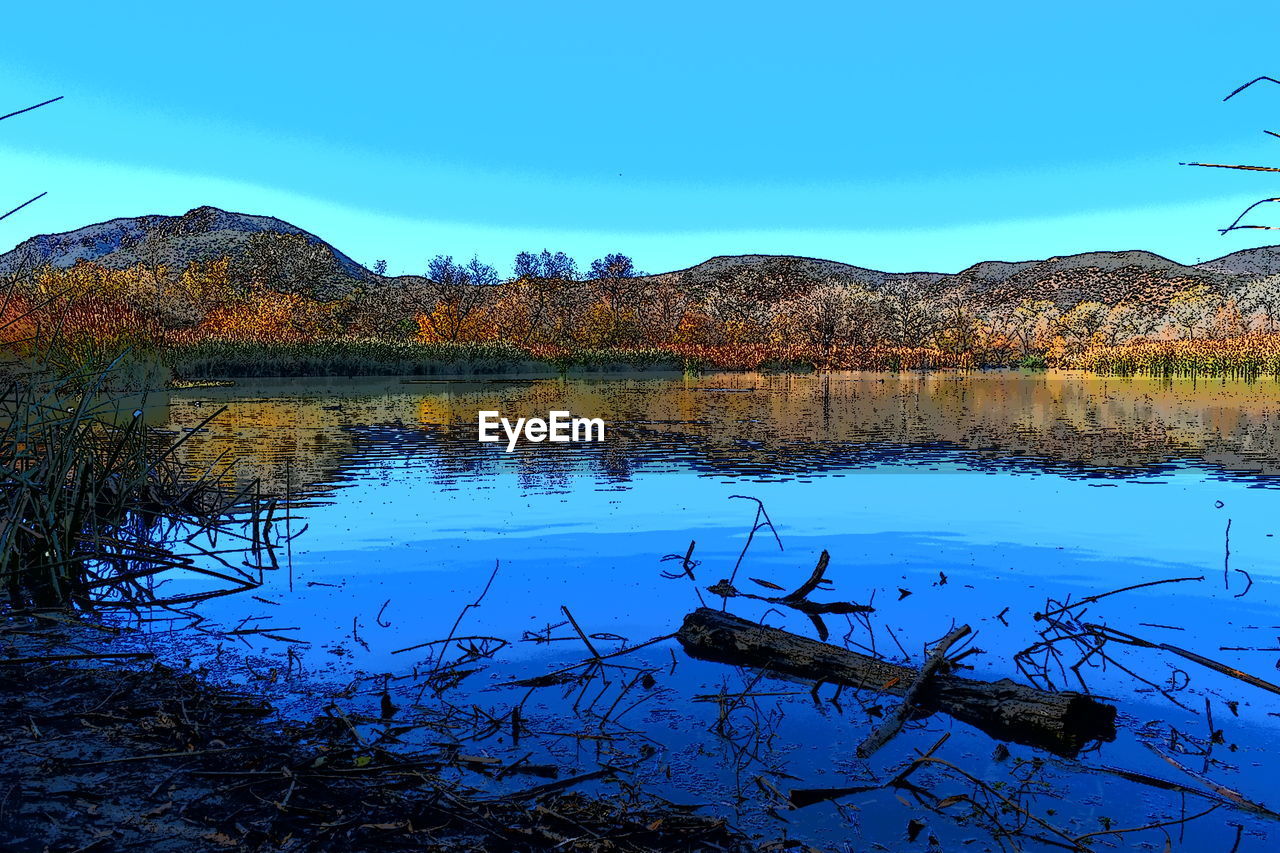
{"x":108,"y":755}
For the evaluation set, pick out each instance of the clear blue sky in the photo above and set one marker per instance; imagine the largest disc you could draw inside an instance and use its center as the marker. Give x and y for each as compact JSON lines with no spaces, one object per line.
{"x":899,"y":136}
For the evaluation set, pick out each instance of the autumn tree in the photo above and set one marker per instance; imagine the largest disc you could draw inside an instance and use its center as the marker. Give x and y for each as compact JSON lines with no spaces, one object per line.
{"x":742,"y":304}
{"x":1084,"y":320}
{"x":1125,"y":322}
{"x":1190,"y":310}
{"x":1261,"y":297}
{"x":909,"y":320}
{"x":458,"y":293}
{"x":1226,"y":320}
{"x":271,"y":317}
{"x":663,"y":310}
{"x":1031,"y":324}
{"x":390,"y":311}
{"x":556,"y":266}
{"x":200,"y":287}
{"x":525,"y":266}
{"x":958,"y":322}
{"x":613,"y":266}
{"x":830,"y":314}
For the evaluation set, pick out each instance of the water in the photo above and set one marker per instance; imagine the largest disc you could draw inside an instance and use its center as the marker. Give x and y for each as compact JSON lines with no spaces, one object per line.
{"x":979,"y":496}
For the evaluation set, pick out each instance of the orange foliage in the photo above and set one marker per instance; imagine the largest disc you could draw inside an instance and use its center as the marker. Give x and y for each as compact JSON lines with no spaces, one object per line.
{"x":17,"y":322}
{"x":1251,"y":354}
{"x":447,"y":323}
{"x":747,"y":324}
{"x":266,"y":316}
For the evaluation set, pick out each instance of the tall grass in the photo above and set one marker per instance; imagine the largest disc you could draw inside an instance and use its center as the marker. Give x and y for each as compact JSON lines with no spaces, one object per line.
{"x":217,"y":359}
{"x":1246,"y":356}
{"x":214,"y":358}
{"x":94,"y":505}
{"x":226,"y":358}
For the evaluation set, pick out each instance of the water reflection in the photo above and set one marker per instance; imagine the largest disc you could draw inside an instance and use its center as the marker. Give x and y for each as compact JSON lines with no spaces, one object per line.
{"x":978,"y":494}
{"x":768,"y":427}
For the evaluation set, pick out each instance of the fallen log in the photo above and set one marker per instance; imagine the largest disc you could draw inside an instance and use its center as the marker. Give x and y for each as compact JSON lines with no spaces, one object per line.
{"x":1062,"y":723}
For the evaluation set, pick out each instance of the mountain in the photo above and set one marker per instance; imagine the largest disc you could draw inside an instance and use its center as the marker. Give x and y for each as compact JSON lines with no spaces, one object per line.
{"x":723,"y":267}
{"x":1111,"y":277}
{"x":1250,"y":262}
{"x":207,"y":233}
{"x":202,"y":234}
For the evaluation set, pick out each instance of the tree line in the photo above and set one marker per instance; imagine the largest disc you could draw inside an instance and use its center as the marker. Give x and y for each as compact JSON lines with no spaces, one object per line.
{"x":283,"y":288}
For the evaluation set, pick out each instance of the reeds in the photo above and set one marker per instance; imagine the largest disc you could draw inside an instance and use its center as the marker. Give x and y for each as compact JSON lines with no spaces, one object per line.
{"x":94,"y":505}
{"x":226,"y":358}
{"x":222,"y":358}
{"x":210,"y":358}
{"x":1245,"y":356}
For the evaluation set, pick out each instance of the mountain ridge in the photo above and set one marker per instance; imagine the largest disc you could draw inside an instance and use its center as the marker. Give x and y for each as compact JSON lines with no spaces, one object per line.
{"x":201,"y":234}
{"x":206,"y":233}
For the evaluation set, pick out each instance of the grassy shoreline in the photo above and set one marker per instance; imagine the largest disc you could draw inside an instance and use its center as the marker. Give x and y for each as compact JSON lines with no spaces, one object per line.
{"x":234,"y":360}
{"x":1246,"y":358}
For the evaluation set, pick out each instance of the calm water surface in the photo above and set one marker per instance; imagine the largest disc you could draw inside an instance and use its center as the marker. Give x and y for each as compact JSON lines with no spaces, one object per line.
{"x":980,"y":495}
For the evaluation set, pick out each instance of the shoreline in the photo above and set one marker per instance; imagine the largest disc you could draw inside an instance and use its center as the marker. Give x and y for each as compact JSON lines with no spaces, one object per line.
{"x":115,"y":757}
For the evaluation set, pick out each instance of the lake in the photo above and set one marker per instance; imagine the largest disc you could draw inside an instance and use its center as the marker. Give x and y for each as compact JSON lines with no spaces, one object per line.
{"x":941,"y":499}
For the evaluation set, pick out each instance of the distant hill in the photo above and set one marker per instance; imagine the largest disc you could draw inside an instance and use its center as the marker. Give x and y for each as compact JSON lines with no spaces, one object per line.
{"x":810,"y":269}
{"x":1128,"y":276}
{"x":202,"y":234}
{"x":1135,"y":276}
{"x":1249,"y":262}
{"x":207,"y":233}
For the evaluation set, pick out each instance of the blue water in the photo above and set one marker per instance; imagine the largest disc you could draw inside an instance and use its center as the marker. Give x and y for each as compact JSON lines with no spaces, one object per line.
{"x":981,"y":501}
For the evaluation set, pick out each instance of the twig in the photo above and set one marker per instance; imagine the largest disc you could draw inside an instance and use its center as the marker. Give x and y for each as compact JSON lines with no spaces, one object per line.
{"x":1121,"y":637}
{"x":1090,"y":599}
{"x":24,"y":204}
{"x":1178,"y":822}
{"x":755,"y":526}
{"x":496,"y":565}
{"x":1071,"y":842}
{"x":883,"y":733}
{"x":549,"y":678}
{"x":1261,"y":79}
{"x":45,"y":103}
{"x":1226,"y":558}
{"x":94,"y":656}
{"x":802,"y":592}
{"x":582,"y":635}
{"x":1235,"y":797}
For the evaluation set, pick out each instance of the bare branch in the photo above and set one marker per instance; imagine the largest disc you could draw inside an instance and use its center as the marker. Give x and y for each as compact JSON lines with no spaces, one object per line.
{"x":1250,"y":83}
{"x":29,"y":109}
{"x":1229,"y":166}
{"x":24,"y":204}
{"x":1236,"y":226}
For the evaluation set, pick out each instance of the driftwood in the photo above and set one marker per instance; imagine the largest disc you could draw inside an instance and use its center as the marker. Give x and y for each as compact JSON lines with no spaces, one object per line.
{"x":1062,"y":723}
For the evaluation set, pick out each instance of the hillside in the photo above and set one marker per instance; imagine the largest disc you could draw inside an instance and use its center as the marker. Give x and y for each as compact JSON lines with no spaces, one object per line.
{"x":207,"y":233}
{"x":202,"y":234}
{"x":1133,"y":276}
{"x":1248,"y":262}
{"x":1110,"y":277}
{"x":724,"y":267}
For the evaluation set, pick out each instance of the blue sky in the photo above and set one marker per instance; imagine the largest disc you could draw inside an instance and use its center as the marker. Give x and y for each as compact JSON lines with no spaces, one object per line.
{"x":921,"y":136}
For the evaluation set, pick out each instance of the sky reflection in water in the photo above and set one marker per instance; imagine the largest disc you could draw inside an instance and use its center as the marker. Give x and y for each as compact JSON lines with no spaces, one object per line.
{"x":1015,"y":487}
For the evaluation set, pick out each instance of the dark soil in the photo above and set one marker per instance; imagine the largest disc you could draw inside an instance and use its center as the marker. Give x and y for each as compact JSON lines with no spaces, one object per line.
{"x":97,"y":756}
